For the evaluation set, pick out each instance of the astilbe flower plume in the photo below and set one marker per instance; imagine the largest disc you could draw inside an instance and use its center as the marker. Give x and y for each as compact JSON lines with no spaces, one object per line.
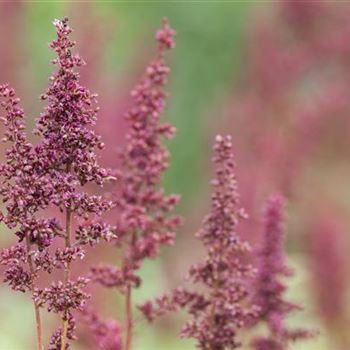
{"x":222,"y":309}
{"x":50,"y":175}
{"x":274,"y":308}
{"x":144,"y":222}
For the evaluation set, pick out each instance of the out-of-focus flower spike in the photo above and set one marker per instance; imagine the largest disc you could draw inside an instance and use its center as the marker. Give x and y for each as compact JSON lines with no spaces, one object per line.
{"x":269,"y":287}
{"x":329,"y":267}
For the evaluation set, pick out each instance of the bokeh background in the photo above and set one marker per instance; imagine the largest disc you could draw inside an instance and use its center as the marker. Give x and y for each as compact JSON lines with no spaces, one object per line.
{"x":275,"y":75}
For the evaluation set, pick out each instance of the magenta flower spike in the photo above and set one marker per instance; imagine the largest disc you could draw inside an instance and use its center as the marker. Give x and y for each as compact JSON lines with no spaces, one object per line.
{"x":144,"y":221}
{"x":221,"y":310}
{"x":51,"y":175}
{"x":274,"y":308}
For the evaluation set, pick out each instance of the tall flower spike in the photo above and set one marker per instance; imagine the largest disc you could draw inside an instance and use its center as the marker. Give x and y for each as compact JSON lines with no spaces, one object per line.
{"x":144,"y":220}
{"x":68,"y":158}
{"x":50,"y":175}
{"x":270,"y":289}
{"x":220,"y":312}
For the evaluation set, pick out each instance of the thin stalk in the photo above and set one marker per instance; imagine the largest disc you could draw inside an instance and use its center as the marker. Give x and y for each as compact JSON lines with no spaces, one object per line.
{"x":39,"y":335}
{"x":129,"y":327}
{"x":129,"y":319}
{"x":216,"y":288}
{"x":213,"y":308}
{"x":66,"y":278}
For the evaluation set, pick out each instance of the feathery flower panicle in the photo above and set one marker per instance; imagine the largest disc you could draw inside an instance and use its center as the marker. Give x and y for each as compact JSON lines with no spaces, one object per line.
{"x":143,"y":217}
{"x":220,"y":311}
{"x":270,"y":288}
{"x":18,"y":185}
{"x":67,"y":154}
{"x":51,"y":174}
{"x":142,"y":205}
{"x":23,"y":193}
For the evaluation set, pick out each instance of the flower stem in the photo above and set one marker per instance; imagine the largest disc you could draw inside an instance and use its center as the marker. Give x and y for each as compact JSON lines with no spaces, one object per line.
{"x":66,"y":278}
{"x":39,"y":335}
{"x":129,"y":319}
